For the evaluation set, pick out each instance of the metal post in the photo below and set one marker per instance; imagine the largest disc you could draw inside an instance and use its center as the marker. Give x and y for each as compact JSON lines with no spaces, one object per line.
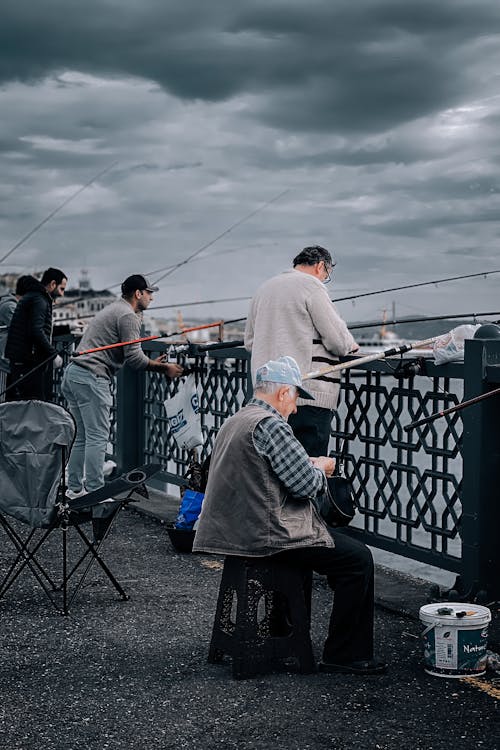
{"x":130,"y":390}
{"x":480,"y":526}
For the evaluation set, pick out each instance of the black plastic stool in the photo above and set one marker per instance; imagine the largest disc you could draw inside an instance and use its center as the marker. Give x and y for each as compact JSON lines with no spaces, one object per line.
{"x":263,"y":617}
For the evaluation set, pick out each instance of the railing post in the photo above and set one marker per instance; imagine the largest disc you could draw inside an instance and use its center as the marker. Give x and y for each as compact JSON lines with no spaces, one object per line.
{"x":480,"y":526}
{"x":129,"y":418}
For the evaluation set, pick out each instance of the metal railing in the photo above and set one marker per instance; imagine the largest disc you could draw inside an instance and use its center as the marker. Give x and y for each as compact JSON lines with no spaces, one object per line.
{"x":430,"y":494}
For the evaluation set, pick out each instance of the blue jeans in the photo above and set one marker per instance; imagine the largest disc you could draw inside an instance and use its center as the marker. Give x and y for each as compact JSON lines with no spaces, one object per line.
{"x":89,"y":401}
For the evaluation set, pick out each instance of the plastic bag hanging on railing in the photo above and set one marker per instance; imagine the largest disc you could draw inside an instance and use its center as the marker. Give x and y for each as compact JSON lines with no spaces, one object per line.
{"x":183,"y":414}
{"x":450,"y":346}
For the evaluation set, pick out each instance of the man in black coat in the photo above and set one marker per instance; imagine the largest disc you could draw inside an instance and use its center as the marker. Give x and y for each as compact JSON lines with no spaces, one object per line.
{"x":29,"y":339}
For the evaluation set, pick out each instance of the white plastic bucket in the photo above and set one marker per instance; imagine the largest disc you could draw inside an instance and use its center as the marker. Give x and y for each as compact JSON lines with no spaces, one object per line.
{"x":455,"y":638}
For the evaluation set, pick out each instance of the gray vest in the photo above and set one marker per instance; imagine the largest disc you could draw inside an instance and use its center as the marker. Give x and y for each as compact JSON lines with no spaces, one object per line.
{"x":246,"y":510}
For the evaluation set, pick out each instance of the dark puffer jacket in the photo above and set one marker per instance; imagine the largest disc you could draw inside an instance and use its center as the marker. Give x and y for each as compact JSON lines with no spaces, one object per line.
{"x":30,"y":329}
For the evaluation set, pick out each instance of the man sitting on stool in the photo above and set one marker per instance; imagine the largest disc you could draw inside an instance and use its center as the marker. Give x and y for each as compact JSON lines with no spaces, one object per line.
{"x":259,"y":502}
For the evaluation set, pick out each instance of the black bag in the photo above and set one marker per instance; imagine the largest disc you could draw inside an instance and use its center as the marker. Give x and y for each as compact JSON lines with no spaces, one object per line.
{"x":336,"y":506}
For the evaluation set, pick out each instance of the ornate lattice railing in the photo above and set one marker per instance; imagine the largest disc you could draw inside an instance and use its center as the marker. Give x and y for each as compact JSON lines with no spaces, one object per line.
{"x":424,"y":493}
{"x":407,"y":484}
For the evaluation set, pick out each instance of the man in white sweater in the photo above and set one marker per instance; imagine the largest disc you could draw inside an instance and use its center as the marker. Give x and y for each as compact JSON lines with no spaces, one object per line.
{"x":292,"y":314}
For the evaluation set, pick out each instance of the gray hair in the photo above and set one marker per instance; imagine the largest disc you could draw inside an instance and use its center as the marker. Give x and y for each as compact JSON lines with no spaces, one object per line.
{"x":268,"y":387}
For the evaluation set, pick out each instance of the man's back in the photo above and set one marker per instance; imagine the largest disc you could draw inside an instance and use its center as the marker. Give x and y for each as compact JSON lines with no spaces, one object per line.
{"x":247,"y":509}
{"x":292,"y":314}
{"x":30,"y":329}
{"x":279,"y":322}
{"x":8,"y":304}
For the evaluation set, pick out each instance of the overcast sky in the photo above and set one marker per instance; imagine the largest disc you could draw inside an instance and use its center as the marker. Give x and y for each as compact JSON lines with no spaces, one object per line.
{"x":380,"y":120}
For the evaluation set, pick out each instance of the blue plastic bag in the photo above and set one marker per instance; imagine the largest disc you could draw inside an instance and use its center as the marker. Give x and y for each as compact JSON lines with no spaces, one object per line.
{"x":189,"y":510}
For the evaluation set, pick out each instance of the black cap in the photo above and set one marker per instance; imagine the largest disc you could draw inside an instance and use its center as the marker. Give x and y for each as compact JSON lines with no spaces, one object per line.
{"x":137,"y":281}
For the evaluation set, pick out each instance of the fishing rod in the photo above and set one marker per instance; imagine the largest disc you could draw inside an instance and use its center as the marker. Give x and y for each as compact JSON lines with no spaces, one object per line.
{"x":148,"y":338}
{"x":379,"y":323}
{"x":412,"y":286}
{"x":56,"y":210}
{"x":171,"y":269}
{"x":369,"y":358}
{"x":351,"y":326}
{"x":109,"y":346}
{"x":450,"y":410}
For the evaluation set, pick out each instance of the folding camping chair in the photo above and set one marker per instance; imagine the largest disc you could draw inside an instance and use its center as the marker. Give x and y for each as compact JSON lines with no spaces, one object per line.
{"x":35,"y":442}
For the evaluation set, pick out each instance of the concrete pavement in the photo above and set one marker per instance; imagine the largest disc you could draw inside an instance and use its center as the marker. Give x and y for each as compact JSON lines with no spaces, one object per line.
{"x":133,"y":675}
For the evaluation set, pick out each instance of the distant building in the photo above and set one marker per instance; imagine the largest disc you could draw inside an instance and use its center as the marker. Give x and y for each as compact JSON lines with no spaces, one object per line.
{"x":81,"y":303}
{"x":8,"y":281}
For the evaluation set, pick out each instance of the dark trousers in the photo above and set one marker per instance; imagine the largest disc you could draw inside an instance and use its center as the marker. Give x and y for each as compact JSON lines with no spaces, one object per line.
{"x":37,"y":385}
{"x":311,"y":426}
{"x":348,"y":568}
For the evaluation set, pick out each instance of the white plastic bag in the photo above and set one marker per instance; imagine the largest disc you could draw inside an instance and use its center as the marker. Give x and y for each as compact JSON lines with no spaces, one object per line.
{"x":183,"y":414}
{"x":450,"y":346}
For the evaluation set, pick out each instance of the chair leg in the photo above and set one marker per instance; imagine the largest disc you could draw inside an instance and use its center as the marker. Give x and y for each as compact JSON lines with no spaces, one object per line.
{"x":26,"y":558}
{"x":28,"y":547}
{"x":96,"y":558}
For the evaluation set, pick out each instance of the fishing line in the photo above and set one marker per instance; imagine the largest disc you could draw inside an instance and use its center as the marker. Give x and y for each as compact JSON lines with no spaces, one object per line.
{"x":352,"y":326}
{"x":204,"y":257}
{"x":412,"y":286}
{"x":378,"y":323}
{"x":338,"y":299}
{"x":223,"y":234}
{"x":208,"y":257}
{"x":55,"y":211}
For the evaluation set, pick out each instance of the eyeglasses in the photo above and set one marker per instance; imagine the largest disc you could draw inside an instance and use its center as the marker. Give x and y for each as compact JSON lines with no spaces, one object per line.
{"x":329,"y":273}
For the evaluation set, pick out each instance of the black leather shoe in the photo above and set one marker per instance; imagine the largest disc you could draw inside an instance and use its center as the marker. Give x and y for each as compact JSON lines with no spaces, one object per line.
{"x":367,"y":666}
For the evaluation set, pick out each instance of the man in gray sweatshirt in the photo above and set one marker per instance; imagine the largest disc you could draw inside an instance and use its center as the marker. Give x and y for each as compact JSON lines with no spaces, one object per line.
{"x":88,"y":380}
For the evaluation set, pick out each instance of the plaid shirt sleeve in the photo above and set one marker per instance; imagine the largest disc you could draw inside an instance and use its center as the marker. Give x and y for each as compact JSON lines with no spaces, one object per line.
{"x":274,"y":439}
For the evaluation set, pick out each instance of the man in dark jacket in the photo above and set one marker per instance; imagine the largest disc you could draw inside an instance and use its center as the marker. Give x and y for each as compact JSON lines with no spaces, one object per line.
{"x":29,"y":339}
{"x":8,"y":304}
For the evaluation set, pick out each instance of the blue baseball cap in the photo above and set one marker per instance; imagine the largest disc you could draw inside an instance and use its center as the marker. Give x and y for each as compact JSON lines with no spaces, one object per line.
{"x":284,"y":370}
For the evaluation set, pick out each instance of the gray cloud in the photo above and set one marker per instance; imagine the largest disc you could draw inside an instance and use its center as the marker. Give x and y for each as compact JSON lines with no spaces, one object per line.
{"x":350,"y":66}
{"x":381,"y":118}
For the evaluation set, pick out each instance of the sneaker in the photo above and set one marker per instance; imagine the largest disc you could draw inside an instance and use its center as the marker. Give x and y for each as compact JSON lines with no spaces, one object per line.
{"x":71,"y":495}
{"x":109,"y":467}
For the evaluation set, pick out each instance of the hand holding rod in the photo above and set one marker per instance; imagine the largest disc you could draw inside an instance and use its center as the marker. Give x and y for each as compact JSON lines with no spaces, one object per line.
{"x":369,"y":358}
{"x":450,"y":410}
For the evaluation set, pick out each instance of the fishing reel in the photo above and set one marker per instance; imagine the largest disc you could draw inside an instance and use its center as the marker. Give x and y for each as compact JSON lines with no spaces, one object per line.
{"x":408,"y":368}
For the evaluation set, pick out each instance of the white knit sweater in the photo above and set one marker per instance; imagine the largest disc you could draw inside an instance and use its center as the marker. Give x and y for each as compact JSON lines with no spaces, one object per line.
{"x":292,"y":314}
